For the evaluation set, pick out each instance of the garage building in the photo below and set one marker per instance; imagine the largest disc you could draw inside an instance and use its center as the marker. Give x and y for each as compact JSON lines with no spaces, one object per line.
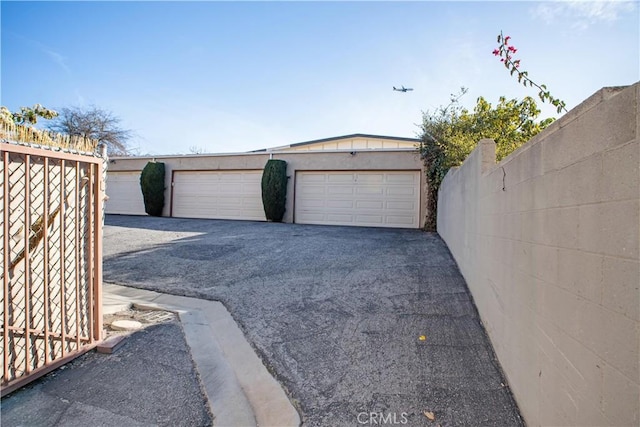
{"x":359,"y":180}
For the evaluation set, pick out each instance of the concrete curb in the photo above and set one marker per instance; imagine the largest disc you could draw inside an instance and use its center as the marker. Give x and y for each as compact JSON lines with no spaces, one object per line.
{"x":239,"y":389}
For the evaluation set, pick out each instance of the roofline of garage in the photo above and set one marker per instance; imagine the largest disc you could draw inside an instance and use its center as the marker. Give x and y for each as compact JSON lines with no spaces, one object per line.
{"x":338,"y":138}
{"x":266,"y":153}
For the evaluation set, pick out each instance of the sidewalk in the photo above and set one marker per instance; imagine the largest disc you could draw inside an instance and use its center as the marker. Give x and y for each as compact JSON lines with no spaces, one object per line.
{"x":153,"y":378}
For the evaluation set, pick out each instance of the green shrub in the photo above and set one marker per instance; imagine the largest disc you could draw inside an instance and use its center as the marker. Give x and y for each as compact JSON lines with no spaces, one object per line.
{"x":152,"y":184}
{"x":274,"y":189}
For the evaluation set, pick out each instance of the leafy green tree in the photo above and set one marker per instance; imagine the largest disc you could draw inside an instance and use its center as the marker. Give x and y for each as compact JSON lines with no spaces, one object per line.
{"x":450,"y":133}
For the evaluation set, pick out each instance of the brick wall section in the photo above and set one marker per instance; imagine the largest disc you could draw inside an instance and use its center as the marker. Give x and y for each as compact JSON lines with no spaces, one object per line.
{"x":552,"y":260}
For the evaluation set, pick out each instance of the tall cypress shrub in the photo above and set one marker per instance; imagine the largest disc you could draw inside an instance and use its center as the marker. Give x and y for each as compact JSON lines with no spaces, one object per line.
{"x":152,"y":185}
{"x":274,"y":189}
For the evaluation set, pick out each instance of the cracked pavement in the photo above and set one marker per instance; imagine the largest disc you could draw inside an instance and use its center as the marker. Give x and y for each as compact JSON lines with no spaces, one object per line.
{"x":334,"y":312}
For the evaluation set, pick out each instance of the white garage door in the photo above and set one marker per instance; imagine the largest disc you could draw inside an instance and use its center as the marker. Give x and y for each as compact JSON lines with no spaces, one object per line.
{"x":125,"y":195}
{"x":218,"y":195}
{"x":370,"y":199}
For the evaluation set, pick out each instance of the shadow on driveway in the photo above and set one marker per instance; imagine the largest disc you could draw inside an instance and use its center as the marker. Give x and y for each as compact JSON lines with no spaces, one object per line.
{"x":151,"y":380}
{"x":335,"y":313}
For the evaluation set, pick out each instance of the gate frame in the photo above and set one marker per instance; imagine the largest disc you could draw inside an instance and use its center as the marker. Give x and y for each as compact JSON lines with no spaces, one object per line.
{"x":94,"y":242}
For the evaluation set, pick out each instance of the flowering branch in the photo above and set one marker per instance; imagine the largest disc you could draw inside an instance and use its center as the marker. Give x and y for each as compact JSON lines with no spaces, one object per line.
{"x":506,"y":53}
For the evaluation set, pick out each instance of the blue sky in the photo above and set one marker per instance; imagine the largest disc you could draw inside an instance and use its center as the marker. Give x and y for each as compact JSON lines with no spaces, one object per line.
{"x":237,"y":76}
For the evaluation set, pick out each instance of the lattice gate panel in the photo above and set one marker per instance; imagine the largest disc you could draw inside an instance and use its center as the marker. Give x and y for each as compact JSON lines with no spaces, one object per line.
{"x":51,"y":212}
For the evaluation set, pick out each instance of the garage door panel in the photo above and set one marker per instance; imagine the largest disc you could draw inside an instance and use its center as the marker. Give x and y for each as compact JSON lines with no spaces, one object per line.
{"x":370,"y":178}
{"x":230,"y":188}
{"x":339,"y":204}
{"x":206,"y":192}
{"x":401,"y":179}
{"x":337,"y":218}
{"x":311,"y":218}
{"x":228,"y":203}
{"x":361,"y":198}
{"x":312,"y":203}
{"x":400,"y":220}
{"x":231,"y":177}
{"x":312,"y":191}
{"x":366,"y":190}
{"x":370,"y":219}
{"x":343,"y":178}
{"x":254,"y":189}
{"x":251,"y":203}
{"x":125,"y":194}
{"x":401,"y":191}
{"x":198,"y":178}
{"x":369,"y":204}
{"x":218,"y":195}
{"x":309,"y":179}
{"x":333,"y":190}
{"x":405,"y":206}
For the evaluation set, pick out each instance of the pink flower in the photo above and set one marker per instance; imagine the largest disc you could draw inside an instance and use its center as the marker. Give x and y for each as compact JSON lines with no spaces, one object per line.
{"x":496,"y":52}
{"x":512,"y":49}
{"x":506,"y":39}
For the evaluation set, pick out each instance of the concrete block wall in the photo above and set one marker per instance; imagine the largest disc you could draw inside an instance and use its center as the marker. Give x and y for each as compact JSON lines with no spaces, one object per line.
{"x":548,"y":242}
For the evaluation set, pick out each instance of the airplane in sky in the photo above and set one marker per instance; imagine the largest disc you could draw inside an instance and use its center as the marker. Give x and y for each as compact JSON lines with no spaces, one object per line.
{"x":402,"y":89}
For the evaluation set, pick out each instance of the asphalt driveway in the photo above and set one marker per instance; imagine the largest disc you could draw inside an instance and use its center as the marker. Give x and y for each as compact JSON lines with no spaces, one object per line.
{"x":336,"y":313}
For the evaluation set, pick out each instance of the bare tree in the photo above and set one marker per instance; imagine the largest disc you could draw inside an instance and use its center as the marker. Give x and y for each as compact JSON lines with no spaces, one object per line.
{"x":194,"y":149}
{"x":93,"y":123}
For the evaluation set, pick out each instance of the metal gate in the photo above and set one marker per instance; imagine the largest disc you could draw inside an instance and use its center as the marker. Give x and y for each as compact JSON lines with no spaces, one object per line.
{"x":51,"y":245}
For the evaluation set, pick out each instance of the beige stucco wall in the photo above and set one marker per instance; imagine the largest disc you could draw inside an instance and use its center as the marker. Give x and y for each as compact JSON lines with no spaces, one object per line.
{"x":296,"y":161}
{"x":552,"y":260}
